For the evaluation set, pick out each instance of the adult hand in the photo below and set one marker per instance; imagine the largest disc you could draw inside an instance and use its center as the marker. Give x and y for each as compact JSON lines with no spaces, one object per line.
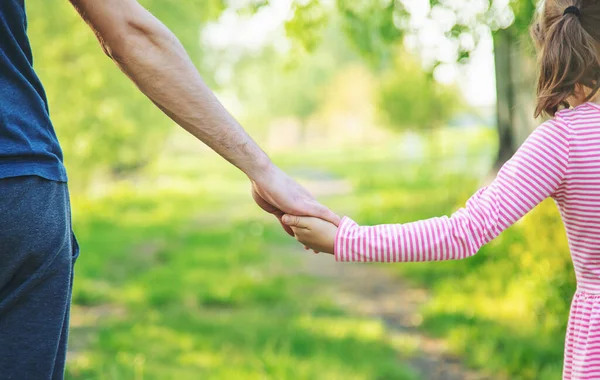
{"x":278,"y":194}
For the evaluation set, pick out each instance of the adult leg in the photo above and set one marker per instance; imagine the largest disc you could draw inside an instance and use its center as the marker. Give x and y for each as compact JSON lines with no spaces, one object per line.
{"x":36,"y":257}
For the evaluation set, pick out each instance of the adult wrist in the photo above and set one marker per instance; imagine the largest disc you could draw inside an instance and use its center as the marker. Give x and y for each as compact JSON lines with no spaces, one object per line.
{"x":261,"y":169}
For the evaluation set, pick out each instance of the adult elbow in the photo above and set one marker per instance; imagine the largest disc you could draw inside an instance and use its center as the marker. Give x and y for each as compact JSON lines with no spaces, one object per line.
{"x":134,"y":35}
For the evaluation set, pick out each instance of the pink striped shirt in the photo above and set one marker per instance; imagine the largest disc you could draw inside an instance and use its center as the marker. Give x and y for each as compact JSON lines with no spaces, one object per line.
{"x":560,"y":159}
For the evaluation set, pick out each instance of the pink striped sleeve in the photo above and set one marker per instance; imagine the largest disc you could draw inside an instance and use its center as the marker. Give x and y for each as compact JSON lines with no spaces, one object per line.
{"x":533,"y":174}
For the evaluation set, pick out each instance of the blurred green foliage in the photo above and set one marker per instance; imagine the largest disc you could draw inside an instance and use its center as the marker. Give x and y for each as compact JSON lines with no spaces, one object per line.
{"x":310,"y":18}
{"x":272,"y":85}
{"x":301,"y":84}
{"x":409,"y":98}
{"x":103,"y":121}
{"x":374,"y":25}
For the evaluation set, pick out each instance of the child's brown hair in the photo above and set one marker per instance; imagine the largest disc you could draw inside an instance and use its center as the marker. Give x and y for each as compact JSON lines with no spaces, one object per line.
{"x":567,"y":35}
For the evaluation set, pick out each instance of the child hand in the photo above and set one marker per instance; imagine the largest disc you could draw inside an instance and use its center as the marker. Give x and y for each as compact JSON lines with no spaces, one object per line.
{"x":314,"y":233}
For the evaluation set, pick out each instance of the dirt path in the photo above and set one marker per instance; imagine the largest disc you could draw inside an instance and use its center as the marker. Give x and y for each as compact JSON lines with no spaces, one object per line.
{"x":371,"y":291}
{"x":360,"y":289}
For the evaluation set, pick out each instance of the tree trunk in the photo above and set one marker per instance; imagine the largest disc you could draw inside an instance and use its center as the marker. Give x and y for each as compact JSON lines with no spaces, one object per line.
{"x":514,"y":62}
{"x":504,"y":96}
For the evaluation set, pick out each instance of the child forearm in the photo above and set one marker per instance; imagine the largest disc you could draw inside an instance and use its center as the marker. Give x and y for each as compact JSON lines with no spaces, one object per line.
{"x":434,"y":239}
{"x":534,"y":173}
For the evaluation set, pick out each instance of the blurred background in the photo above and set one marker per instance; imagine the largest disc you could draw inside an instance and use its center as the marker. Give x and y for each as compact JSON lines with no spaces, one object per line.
{"x":389,"y":111}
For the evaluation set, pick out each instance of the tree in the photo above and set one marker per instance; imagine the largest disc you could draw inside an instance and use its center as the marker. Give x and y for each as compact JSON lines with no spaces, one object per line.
{"x":272,"y":84}
{"x":408,"y":97}
{"x":515,"y":81}
{"x":375,"y":26}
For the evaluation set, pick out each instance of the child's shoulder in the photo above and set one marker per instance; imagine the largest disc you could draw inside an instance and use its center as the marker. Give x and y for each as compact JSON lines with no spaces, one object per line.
{"x":585,"y":112}
{"x":571,"y":120}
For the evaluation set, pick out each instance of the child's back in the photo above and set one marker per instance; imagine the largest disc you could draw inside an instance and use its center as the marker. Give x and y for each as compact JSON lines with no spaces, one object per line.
{"x":578,"y":200}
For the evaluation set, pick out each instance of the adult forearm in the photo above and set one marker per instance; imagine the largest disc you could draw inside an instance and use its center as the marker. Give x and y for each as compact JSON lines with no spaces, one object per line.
{"x":148,"y":53}
{"x":160,"y":67}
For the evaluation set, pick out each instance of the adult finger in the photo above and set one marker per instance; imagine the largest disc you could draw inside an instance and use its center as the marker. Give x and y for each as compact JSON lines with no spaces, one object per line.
{"x":314,"y":208}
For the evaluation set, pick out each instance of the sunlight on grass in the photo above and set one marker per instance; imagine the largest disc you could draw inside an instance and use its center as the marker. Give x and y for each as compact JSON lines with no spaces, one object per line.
{"x":343,"y":327}
{"x":177,"y":280}
{"x":196,"y":288}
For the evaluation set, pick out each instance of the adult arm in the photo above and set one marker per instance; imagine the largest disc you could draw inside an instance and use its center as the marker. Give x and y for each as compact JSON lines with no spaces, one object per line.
{"x":154,"y":59}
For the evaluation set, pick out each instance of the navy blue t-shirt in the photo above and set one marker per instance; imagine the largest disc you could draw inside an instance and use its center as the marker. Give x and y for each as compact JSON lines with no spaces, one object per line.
{"x":28,"y":143}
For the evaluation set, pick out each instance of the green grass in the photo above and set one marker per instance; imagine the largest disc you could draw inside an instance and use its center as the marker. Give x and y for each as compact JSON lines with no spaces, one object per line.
{"x":181,"y":277}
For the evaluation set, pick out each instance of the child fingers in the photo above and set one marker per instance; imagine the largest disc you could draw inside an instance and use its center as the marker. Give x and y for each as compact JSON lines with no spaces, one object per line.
{"x":303,"y":236}
{"x":287,"y":228}
{"x":295,"y":221}
{"x":298,"y":233}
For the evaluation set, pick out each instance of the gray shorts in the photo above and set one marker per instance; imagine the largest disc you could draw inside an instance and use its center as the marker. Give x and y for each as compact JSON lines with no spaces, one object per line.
{"x":37,"y":253}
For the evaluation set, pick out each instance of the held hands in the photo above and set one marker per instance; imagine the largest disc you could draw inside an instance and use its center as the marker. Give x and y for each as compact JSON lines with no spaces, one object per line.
{"x":314,"y":233}
{"x":276,"y":193}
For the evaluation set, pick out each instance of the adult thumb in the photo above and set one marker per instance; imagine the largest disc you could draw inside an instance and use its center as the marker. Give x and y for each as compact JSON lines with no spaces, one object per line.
{"x":322,"y":212}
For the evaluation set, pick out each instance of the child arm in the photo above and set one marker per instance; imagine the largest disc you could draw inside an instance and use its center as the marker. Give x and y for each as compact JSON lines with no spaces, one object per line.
{"x":316,"y":234}
{"x":535,"y":172}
